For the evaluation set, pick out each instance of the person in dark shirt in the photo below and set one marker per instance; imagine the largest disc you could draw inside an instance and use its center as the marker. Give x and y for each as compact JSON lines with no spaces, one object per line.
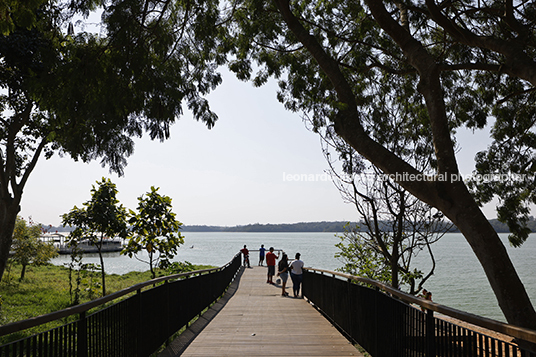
{"x":262,"y":252}
{"x":245,"y":252}
{"x":283,"y":273}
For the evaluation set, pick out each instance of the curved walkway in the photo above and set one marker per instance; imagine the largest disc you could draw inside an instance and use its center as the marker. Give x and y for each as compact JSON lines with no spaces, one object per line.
{"x":258,"y":321}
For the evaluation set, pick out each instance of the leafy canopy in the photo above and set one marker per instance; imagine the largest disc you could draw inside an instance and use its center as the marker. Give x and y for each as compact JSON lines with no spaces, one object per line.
{"x":101,"y":216}
{"x":88,"y":96}
{"x":352,"y":66}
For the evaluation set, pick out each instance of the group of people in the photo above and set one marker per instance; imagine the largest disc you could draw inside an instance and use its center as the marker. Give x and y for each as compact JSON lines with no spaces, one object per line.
{"x":427,"y":295}
{"x":284,"y":268}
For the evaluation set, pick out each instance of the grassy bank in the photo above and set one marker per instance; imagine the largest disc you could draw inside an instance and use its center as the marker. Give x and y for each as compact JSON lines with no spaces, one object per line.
{"x":46,"y":289}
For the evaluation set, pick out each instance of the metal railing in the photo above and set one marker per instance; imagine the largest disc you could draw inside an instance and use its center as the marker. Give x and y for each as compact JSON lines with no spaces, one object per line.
{"x":379,"y":318}
{"x":384,"y":322}
{"x":135,"y":326}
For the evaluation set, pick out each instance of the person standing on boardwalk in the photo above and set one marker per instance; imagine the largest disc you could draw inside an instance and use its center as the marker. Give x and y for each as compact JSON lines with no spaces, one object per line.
{"x":282,"y":269}
{"x":427,"y":295}
{"x":296,"y":274}
{"x":245,"y":252}
{"x":262,"y":251}
{"x":270,"y":262}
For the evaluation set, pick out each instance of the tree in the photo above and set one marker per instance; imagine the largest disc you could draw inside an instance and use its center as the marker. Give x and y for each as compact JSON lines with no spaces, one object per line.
{"x":28,"y":248}
{"x":20,"y":12}
{"x":398,"y":227}
{"x":360,"y":257}
{"x":102,"y":217}
{"x":155,"y":230}
{"x":440,"y":67}
{"x":86,"y":96}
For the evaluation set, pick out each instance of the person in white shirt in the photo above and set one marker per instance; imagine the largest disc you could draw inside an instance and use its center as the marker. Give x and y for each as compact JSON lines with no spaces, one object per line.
{"x":296,"y":274}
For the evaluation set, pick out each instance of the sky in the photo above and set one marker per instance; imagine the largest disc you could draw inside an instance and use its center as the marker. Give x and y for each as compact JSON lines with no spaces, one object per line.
{"x":237,"y":173}
{"x":232,"y":174}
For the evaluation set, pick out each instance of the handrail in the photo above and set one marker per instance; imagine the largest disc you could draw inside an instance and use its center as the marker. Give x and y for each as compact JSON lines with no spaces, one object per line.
{"x":490,"y":324}
{"x":39,"y":320}
{"x":258,"y":250}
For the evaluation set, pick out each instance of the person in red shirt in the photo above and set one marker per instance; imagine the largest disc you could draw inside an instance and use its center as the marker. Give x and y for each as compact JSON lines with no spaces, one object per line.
{"x":270,"y":262}
{"x":245,"y":252}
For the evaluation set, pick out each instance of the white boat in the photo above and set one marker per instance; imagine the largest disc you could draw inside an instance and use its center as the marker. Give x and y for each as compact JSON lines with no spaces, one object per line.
{"x":59,"y":240}
{"x":86,"y":246}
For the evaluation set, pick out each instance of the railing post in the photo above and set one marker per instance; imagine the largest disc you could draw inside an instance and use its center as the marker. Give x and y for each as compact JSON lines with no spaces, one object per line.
{"x":430,"y":334}
{"x":376,"y":325}
{"x":140,"y":341}
{"x":168,"y":312}
{"x":82,"y":336}
{"x":351,"y":310}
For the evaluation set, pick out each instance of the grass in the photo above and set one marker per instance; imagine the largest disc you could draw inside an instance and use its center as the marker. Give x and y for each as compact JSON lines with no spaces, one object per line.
{"x":45,"y":289}
{"x":362,"y":350}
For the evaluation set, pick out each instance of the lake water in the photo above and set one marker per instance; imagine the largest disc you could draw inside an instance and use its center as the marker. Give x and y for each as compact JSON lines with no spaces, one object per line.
{"x":458,"y":282}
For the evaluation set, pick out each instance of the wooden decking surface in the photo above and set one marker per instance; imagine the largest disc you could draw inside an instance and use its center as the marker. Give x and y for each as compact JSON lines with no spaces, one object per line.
{"x":258,"y":321}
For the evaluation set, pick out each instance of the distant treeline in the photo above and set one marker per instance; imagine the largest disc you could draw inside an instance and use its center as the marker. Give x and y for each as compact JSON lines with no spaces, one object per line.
{"x":291,"y":227}
{"x":503,"y":228}
{"x":337,"y":226}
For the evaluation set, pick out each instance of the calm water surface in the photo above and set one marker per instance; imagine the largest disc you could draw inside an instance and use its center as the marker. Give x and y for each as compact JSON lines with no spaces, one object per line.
{"x":459,"y":280}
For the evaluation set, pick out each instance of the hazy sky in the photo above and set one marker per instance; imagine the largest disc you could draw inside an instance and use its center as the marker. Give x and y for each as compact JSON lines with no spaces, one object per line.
{"x":233,"y":174}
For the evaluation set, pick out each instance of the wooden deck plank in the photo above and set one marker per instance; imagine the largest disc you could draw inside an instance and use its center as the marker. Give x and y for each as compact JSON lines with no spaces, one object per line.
{"x":258,"y":321}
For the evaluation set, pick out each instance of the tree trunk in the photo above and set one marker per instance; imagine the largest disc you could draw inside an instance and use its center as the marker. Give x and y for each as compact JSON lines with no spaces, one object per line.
{"x":23,"y":272}
{"x":9,"y":208}
{"x":394,"y":267}
{"x":103,"y":275}
{"x":153,"y":274}
{"x":398,"y":234}
{"x":492,"y":255}
{"x":455,"y":201}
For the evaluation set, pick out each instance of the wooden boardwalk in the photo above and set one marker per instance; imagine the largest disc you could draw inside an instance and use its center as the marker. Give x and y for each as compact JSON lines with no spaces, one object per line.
{"x":258,"y":321}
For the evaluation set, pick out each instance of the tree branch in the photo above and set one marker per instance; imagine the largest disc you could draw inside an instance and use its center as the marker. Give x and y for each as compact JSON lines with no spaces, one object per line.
{"x":510,"y":19}
{"x":429,"y":86}
{"x":471,"y":66}
{"x":19,"y":120}
{"x":347,"y":123}
{"x":508,"y":97}
{"x":30,"y":167}
{"x":517,"y":63}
